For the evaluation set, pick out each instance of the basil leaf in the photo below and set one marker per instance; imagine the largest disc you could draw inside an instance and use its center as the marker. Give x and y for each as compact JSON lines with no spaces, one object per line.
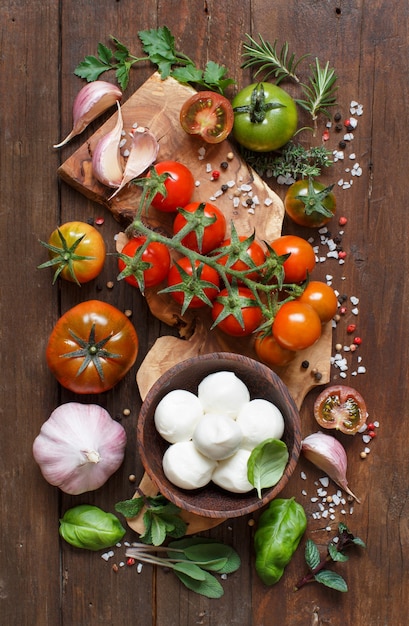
{"x":86,"y":526}
{"x":267,"y":463}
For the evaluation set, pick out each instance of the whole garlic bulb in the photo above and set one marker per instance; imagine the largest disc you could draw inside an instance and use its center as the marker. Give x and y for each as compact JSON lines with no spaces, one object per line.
{"x":79,"y":447}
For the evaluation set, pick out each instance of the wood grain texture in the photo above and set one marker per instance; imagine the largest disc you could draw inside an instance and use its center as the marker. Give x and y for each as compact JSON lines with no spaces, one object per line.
{"x":42,"y":580}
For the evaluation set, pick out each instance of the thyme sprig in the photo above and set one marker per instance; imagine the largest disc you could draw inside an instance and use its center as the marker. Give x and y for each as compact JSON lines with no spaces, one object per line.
{"x":269,"y":60}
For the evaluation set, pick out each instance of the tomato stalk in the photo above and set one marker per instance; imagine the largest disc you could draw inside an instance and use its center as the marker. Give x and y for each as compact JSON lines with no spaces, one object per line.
{"x":258,"y":106}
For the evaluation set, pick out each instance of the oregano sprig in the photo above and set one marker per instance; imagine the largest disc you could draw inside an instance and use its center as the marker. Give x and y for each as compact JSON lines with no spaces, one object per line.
{"x":318,"y":566}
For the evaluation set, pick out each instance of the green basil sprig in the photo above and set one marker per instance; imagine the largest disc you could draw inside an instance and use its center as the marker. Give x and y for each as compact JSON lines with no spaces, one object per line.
{"x":266,"y":464}
{"x":86,"y":526}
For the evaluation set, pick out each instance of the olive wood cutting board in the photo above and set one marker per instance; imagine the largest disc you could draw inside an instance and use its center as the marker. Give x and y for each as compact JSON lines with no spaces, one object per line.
{"x":156,"y":105}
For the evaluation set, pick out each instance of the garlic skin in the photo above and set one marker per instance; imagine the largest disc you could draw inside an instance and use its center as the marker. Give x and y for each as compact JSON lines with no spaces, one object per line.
{"x":106,"y":159}
{"x":91,"y":101}
{"x":143,"y":152}
{"x":79,"y":447}
{"x":329,"y":455}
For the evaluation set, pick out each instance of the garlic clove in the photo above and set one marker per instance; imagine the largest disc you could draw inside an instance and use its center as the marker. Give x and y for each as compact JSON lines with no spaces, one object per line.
{"x":106,"y":159}
{"x":329,"y":455}
{"x":143,"y":152}
{"x":91,"y":101}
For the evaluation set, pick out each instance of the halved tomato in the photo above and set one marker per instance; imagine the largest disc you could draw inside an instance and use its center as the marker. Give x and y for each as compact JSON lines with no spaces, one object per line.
{"x":342,"y":408}
{"x":209,"y":115}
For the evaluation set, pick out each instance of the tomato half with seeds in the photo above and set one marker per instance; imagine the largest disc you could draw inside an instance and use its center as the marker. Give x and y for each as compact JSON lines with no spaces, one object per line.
{"x":310,"y":203}
{"x":77,"y":252}
{"x":208,"y":226}
{"x":192,"y":286}
{"x":342,"y":408}
{"x":179,"y":185}
{"x":265,"y":117}
{"x":301,"y":261}
{"x":208,"y":115}
{"x":92,"y":347}
{"x":296,"y":326}
{"x":270,"y":352}
{"x":143,"y":267}
{"x":322,"y":298}
{"x":236,"y":312}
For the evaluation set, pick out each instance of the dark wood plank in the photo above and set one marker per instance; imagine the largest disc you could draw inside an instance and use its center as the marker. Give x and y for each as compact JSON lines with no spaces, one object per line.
{"x":45,"y":581}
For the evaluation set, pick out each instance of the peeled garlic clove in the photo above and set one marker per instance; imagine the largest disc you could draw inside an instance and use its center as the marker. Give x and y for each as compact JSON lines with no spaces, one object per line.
{"x":329,"y":455}
{"x":143,"y":152}
{"x":91,"y":101}
{"x":106,"y":159}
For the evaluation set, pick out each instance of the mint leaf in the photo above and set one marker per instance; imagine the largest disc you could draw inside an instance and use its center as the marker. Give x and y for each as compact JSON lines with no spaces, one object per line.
{"x":209,"y":587}
{"x":312,"y":555}
{"x":331,"y":579}
{"x":130,"y":508}
{"x":335,"y":554}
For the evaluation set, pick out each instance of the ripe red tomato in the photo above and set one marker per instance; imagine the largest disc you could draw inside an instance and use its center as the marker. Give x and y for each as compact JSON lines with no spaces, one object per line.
{"x":146,"y":271}
{"x":301,"y":261}
{"x":77,"y":252}
{"x":322,"y":298}
{"x":342,"y":408}
{"x":296,"y":326}
{"x":238,"y":314}
{"x":209,"y":226}
{"x":200,"y":286}
{"x":180,"y":185}
{"x":242,"y":257}
{"x":91,"y":347}
{"x":209,"y":115}
{"x":310,"y":203}
{"x":270,"y":352}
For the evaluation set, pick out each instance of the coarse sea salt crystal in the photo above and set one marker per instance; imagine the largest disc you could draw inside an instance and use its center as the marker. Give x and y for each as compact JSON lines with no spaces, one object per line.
{"x":268,"y":202}
{"x":303,"y":475}
{"x":303,"y":492}
{"x":354,"y":300}
{"x":324,"y":481}
{"x":366,"y":438}
{"x":348,"y":136}
{"x":352,"y":156}
{"x":208,"y":167}
{"x":361,"y":369}
{"x":355,"y":311}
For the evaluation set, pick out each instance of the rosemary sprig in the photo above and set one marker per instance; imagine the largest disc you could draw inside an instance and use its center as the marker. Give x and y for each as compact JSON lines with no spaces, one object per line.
{"x":320,"y":93}
{"x":269,"y":60}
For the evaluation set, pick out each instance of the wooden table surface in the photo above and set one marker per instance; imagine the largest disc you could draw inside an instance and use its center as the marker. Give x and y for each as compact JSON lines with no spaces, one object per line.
{"x":43,"y":580}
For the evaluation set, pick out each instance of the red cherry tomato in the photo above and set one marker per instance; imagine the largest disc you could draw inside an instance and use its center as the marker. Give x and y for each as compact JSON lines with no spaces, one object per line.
{"x":92,"y":347}
{"x":240,"y":258}
{"x":342,"y":408}
{"x":193,"y":291}
{"x":301,"y":261}
{"x":180,"y":185}
{"x":296,"y":326}
{"x":226,"y":308}
{"x":271,"y":353}
{"x":322,"y":298}
{"x":209,"y":115}
{"x":210,"y":227}
{"x":148,"y":271}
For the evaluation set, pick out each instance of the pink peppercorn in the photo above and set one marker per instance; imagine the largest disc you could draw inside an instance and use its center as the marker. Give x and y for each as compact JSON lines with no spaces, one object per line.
{"x":215,"y":174}
{"x":357,"y":341}
{"x":351,"y":328}
{"x":342,"y":254}
{"x":342,"y":221}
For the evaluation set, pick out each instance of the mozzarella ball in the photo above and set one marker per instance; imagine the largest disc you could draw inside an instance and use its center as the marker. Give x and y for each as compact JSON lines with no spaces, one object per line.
{"x":217,"y":436}
{"x":177,"y":414}
{"x":186,"y":467}
{"x":223,"y":392}
{"x":260,"y":420}
{"x":231,"y":474}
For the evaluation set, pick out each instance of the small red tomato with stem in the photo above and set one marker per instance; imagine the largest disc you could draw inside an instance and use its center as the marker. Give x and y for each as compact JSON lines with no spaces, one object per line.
{"x":208,"y":115}
{"x":310,"y":203}
{"x":244,"y":255}
{"x":192,"y":285}
{"x":204,"y":224}
{"x":179,"y":185}
{"x":301,"y":257}
{"x":296,"y":326}
{"x":143,"y":264}
{"x":236,"y":312}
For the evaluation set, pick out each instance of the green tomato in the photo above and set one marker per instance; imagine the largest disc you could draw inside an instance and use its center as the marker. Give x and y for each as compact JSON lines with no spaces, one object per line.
{"x":86,"y":526}
{"x":265,"y":117}
{"x":310,"y":203}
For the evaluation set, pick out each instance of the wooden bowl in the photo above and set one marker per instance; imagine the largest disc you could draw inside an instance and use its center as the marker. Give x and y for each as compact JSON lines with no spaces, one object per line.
{"x":212,"y":501}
